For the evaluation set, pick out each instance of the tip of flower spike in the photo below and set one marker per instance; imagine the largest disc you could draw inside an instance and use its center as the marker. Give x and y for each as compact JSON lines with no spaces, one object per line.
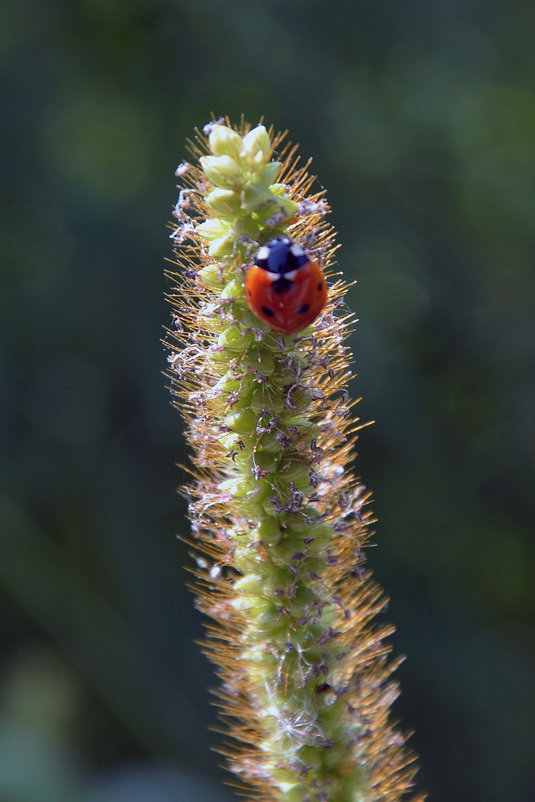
{"x":257,"y":145}
{"x":224,"y":141}
{"x":209,"y":127}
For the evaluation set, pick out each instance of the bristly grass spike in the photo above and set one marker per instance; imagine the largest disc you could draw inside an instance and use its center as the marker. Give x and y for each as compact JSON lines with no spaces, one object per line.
{"x":280,"y":522}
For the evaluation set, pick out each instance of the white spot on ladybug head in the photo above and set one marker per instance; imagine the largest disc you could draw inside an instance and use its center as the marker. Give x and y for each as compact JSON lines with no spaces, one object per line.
{"x":297,"y":250}
{"x":276,"y":276}
{"x":263,"y":253}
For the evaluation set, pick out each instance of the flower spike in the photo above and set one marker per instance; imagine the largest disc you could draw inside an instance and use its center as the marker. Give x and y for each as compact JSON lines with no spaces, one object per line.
{"x":279,"y":520}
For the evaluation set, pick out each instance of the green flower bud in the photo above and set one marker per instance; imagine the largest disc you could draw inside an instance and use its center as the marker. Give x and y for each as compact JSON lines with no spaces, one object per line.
{"x":255,"y":196}
{"x":266,"y":460}
{"x":234,"y":339}
{"x":223,"y":171}
{"x":230,"y":441}
{"x":234,"y":289}
{"x":268,"y":530}
{"x":278,"y":189}
{"x":212,"y":229}
{"x":260,"y":359}
{"x":269,"y":442}
{"x":222,"y":246}
{"x":290,"y":207}
{"x":224,"y":141}
{"x":271,"y":172}
{"x":250,"y":584}
{"x":266,"y":614}
{"x":245,"y":226}
{"x":242,"y":421}
{"x":280,"y":210}
{"x":223,"y":202}
{"x":270,"y":507}
{"x":211,"y":276}
{"x":239,"y":487}
{"x":256,"y":144}
{"x":296,"y":472}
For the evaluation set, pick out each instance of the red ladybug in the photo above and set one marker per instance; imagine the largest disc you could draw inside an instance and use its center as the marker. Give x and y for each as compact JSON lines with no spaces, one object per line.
{"x":283,"y":287}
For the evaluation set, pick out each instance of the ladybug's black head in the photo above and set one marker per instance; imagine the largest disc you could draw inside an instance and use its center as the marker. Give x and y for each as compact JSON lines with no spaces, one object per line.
{"x":281,"y":255}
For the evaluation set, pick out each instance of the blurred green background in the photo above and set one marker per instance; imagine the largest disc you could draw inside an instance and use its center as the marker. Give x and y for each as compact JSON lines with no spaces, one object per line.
{"x":420,"y":117}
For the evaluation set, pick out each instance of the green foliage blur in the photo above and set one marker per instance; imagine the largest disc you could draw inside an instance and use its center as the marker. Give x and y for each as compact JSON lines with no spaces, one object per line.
{"x":420,"y":117}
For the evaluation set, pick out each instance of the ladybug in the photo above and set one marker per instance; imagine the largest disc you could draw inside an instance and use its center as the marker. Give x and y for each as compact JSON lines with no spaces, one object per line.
{"x":283,"y":287}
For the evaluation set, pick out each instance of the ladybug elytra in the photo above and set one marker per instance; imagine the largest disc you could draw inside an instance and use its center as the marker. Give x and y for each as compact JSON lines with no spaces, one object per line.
{"x":283,"y":287}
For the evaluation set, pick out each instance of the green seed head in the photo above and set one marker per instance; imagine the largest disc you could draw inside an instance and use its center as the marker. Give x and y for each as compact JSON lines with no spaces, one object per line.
{"x":275,"y":507}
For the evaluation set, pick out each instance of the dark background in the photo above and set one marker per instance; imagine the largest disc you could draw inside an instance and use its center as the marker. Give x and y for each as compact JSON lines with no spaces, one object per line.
{"x":420,"y":116}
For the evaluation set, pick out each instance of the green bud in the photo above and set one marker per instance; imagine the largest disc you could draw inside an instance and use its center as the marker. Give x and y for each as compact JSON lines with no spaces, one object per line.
{"x":228,"y":383}
{"x":268,"y":530}
{"x":234,"y":289}
{"x":262,"y":489}
{"x":255,"y":196}
{"x":212,"y":229}
{"x":285,"y":204}
{"x":238,"y":486}
{"x":278,"y":189}
{"x":291,"y":791}
{"x":320,"y":532}
{"x":222,"y":246}
{"x":224,"y":141}
{"x":256,"y":145}
{"x":257,"y":403}
{"x":245,"y":226}
{"x":271,"y":172}
{"x":302,"y":400}
{"x":241,"y":603}
{"x":269,"y":507}
{"x":224,"y":202}
{"x":223,"y":171}
{"x":266,"y":460}
{"x":329,"y":613}
{"x":261,"y":360}
{"x":298,"y":526}
{"x":299,"y":422}
{"x":230,"y":441}
{"x":264,"y":613}
{"x":248,"y":319}
{"x":297,"y":472}
{"x":282,"y":207}
{"x":242,"y":421}
{"x":228,"y":485}
{"x":232,"y":338}
{"x":250,"y":584}
{"x":290,"y":207}
{"x":210,"y":275}
{"x":269,"y":442}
